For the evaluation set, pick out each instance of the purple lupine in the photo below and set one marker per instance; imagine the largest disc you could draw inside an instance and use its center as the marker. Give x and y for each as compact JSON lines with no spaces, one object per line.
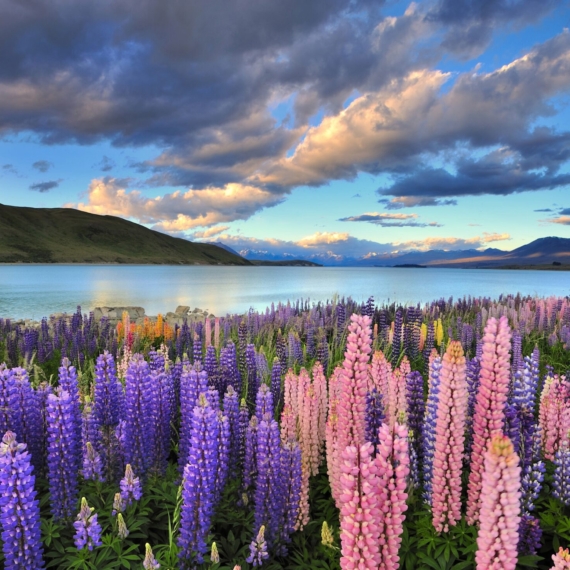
{"x":230,"y":374}
{"x":231,"y":411}
{"x":213,"y":397}
{"x":62,"y":458}
{"x":340,"y":320}
{"x":472,"y":376}
{"x":251,"y":375}
{"x":258,"y":549}
{"x":250,"y":460}
{"x":530,"y":534}
{"x":276,"y":381}
{"x":107,"y":406}
{"x":262,"y":366}
{"x":268,"y":498}
{"x":428,"y":431}
{"x":512,"y":426}
{"x":197,"y":345}
{"x":290,"y":486}
{"x":87,"y":528}
{"x":223,"y":448}
{"x":149,"y":562}
{"x":429,"y":344}
{"x":198,"y":485}
{"x":281,"y":350}
{"x":561,"y":480}
{"x":310,"y":340}
{"x":374,"y":415}
{"x":42,"y":393}
{"x":139,"y":415}
{"x":163,"y":404}
{"x":263,"y":402}
{"x":415,"y":409}
{"x":323,"y":350}
{"x":131,"y":489}
{"x":8,"y":417}
{"x":92,"y":464}
{"x":68,"y":383}
{"x":397,"y":338}
{"x":211,"y":367}
{"x":516,"y":344}
{"x":19,"y":508}
{"x":243,"y":424}
{"x":26,"y":407}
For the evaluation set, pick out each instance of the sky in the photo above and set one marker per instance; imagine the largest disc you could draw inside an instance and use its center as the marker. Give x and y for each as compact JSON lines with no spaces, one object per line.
{"x":321,"y":129}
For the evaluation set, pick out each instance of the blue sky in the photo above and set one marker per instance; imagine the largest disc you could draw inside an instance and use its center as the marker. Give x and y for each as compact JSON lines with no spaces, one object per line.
{"x":321,"y":128}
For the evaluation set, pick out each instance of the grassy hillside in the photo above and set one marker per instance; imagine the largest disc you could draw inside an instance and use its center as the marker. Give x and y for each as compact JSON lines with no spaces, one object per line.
{"x":64,"y":235}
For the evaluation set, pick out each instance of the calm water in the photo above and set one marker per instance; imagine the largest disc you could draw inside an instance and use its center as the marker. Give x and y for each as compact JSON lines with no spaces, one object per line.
{"x":34,"y":291}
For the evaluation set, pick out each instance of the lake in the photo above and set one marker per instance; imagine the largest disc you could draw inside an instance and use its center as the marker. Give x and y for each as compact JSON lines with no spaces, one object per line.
{"x":35,"y":291}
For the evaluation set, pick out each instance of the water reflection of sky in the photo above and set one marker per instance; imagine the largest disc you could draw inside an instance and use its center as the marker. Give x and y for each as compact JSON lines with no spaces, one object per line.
{"x":34,"y":291}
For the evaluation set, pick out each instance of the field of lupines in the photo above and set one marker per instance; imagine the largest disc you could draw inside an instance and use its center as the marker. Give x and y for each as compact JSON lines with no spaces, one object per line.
{"x":308,"y":436}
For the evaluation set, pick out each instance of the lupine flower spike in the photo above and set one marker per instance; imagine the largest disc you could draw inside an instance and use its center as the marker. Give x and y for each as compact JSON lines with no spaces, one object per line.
{"x":561,"y":559}
{"x":150,"y":562}
{"x":87,"y":529}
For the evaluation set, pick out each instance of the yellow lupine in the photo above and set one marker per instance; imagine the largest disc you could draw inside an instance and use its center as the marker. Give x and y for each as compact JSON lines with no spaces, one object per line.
{"x":438,"y":332}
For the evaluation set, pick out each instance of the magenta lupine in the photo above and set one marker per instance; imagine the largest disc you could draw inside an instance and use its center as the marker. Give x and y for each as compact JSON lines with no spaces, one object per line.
{"x":360,"y":516}
{"x":333,"y":453}
{"x":489,"y":415}
{"x":449,"y":439}
{"x":351,"y":405}
{"x":554,"y":415}
{"x":499,"y":515}
{"x":87,"y":529}
{"x":19,"y":508}
{"x":392,"y":463}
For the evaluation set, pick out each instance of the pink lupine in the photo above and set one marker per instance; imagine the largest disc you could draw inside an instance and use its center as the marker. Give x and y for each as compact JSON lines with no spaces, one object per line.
{"x":393,"y":466}
{"x":561,"y":559}
{"x":405,"y":367}
{"x":489,"y":414}
{"x":351,"y":406}
{"x":554,"y":415}
{"x":332,"y":449}
{"x":380,"y":370}
{"x":359,"y":514}
{"x":288,"y":428}
{"x":449,"y":439}
{"x":217,"y":332}
{"x":320,"y":386}
{"x":208,"y":332}
{"x":397,"y":403}
{"x":499,"y":515}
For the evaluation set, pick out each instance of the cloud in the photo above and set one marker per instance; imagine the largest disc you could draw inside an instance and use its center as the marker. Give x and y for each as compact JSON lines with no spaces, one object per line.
{"x":390,"y":220}
{"x":562,"y":220}
{"x":105,"y":164}
{"x":452,"y":243}
{"x":10,"y":169}
{"x":470,"y":24}
{"x":543,"y":210}
{"x":357,"y":196}
{"x":45,"y":186}
{"x":323,"y":238}
{"x":177,"y":211}
{"x":413,"y":201}
{"x":42,"y":165}
{"x":565,"y":212}
{"x":208,"y":233}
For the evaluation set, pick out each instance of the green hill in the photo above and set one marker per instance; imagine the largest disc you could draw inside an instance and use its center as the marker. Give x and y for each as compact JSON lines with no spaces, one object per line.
{"x":65,"y":235}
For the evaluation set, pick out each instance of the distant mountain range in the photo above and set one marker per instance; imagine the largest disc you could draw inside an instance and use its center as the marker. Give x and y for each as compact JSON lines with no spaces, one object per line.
{"x":65,"y":235}
{"x":541,"y":252}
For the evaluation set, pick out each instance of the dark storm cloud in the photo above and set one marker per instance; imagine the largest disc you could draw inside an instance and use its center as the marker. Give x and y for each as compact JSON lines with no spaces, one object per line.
{"x":470,"y":23}
{"x":42,"y":165}
{"x":45,"y":186}
{"x":474,"y":178}
{"x":565,"y":212}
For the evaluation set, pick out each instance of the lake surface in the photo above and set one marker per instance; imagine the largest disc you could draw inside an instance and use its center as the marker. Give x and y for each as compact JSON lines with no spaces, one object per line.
{"x":35,"y":291}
